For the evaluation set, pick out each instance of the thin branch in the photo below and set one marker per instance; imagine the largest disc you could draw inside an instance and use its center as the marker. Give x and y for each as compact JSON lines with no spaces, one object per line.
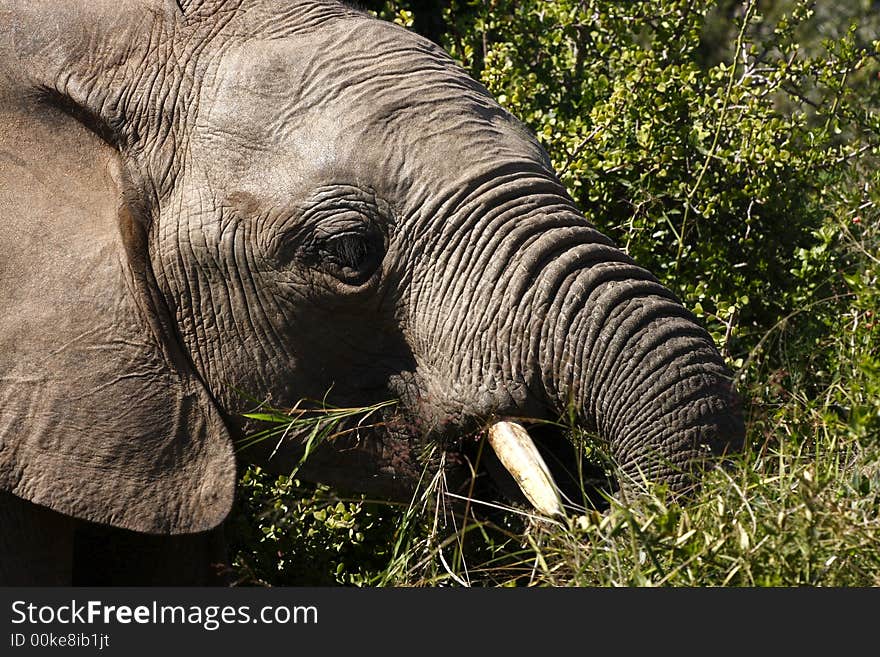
{"x":718,"y":127}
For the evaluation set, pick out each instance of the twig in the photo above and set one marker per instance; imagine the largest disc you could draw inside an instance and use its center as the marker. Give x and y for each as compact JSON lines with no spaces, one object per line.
{"x":718,"y":126}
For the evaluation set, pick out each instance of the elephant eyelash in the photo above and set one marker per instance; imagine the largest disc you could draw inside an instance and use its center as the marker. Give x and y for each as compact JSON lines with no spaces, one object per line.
{"x":349,"y":249}
{"x":352,"y":256}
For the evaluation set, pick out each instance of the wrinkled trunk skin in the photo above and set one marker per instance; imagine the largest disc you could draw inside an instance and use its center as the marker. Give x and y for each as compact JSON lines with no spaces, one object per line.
{"x":644,"y":375}
{"x":621,"y":351}
{"x":551,"y":318}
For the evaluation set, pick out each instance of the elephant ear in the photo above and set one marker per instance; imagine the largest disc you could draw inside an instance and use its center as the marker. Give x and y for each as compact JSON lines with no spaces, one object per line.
{"x":101,"y":415}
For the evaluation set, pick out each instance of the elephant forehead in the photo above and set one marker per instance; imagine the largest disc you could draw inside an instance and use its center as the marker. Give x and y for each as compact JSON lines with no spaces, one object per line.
{"x":370,"y":61}
{"x":359,"y":95}
{"x":248,"y":89}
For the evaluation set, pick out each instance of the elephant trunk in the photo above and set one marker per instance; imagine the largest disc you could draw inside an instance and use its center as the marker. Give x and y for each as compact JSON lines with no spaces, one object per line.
{"x":620,"y":352}
{"x":546,"y":311}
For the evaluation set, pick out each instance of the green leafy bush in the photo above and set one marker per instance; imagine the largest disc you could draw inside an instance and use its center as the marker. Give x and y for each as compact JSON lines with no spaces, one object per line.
{"x":289,"y":533}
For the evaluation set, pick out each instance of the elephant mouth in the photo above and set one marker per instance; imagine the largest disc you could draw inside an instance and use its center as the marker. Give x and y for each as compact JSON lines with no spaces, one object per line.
{"x":511,"y":463}
{"x":518,"y":464}
{"x":537,"y":466}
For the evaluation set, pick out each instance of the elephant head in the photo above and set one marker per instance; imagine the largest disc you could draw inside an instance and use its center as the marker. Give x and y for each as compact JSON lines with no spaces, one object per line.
{"x":204,"y":197}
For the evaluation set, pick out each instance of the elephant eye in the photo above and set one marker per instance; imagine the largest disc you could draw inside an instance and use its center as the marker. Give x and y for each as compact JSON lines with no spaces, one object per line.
{"x":353,"y":256}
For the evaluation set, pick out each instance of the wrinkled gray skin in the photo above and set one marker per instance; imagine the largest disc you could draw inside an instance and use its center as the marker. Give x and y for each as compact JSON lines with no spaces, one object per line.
{"x":286,"y":198}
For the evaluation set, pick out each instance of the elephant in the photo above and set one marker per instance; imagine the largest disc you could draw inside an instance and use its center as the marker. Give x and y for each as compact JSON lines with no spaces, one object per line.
{"x":294,"y":200}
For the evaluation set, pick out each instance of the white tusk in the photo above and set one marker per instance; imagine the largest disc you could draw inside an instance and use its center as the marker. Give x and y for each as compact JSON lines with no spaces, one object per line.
{"x":518,"y":454}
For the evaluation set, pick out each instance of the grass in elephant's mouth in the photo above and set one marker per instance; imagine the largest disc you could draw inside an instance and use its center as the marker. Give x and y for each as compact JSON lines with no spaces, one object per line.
{"x":311,"y":421}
